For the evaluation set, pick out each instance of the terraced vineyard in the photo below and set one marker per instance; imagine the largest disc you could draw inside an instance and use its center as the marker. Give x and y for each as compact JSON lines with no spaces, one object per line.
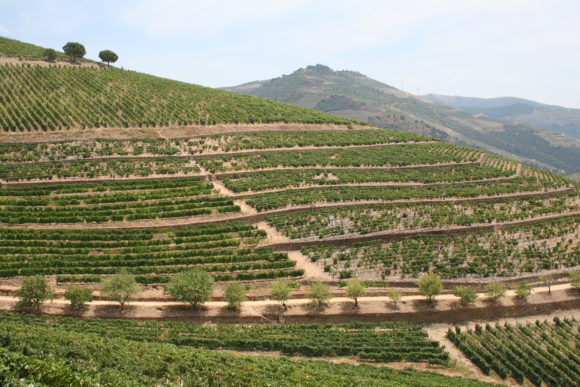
{"x":55,"y":355}
{"x":385,"y":342}
{"x":543,"y":245}
{"x":540,"y":352}
{"x":54,"y":98}
{"x":228,"y":251}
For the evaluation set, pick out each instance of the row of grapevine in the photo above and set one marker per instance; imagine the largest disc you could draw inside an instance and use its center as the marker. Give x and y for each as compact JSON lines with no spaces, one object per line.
{"x":540,"y":352}
{"x":553,"y":244}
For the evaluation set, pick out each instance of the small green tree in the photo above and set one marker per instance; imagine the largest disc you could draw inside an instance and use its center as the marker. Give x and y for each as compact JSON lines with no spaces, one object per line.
{"x":74,"y":50}
{"x":108,"y":57}
{"x":355,"y":289}
{"x":523,"y":290}
{"x":235,"y":294}
{"x":280,"y":291}
{"x":467,"y":294}
{"x":319,"y":294}
{"x":430,"y":285}
{"x":548,"y":280}
{"x":574,"y":277}
{"x":494,"y":291}
{"x":78,"y":297}
{"x":394,"y":295}
{"x":120,"y":287}
{"x":193,"y":287}
{"x":33,"y":292}
{"x":50,"y":55}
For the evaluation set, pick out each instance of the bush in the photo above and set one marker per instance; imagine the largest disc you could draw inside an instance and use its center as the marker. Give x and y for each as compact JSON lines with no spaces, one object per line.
{"x":235,"y":294}
{"x":121,"y":288}
{"x":394,"y":295}
{"x":574,"y":277}
{"x":33,"y":292}
{"x":355,"y":289}
{"x":78,"y":297}
{"x":319,"y":293}
{"x":193,"y":287}
{"x":494,"y":291}
{"x":280,"y":291}
{"x":430,"y":285}
{"x":467,"y":294}
{"x":50,"y":55}
{"x":523,"y":290}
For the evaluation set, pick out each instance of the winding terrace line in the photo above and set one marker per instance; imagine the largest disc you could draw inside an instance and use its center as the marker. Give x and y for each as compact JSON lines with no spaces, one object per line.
{"x":178,"y":223}
{"x":223,"y":153}
{"x":390,"y":235}
{"x":374,"y":184}
{"x":212,"y":176}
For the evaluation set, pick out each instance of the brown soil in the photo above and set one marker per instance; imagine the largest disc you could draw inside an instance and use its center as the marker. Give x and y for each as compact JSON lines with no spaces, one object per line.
{"x":42,"y":63}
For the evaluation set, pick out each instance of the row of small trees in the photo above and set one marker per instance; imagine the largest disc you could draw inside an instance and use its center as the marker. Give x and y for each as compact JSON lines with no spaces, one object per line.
{"x":195,"y":287}
{"x":76,"y":50}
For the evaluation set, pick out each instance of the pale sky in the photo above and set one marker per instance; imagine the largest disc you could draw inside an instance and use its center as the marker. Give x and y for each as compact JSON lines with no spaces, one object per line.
{"x":487,"y":48}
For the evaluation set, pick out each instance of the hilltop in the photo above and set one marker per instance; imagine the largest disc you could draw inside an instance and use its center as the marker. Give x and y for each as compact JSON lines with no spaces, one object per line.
{"x":353,"y":95}
{"x":520,"y":110}
{"x":57,"y":97}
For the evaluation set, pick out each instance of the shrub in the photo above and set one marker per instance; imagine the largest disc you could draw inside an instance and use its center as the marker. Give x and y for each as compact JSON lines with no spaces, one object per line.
{"x":121,"y":288}
{"x":280,"y":291}
{"x":50,"y":55}
{"x":394,"y":295}
{"x":78,"y":297}
{"x":574,"y":277}
{"x":494,"y":291}
{"x":430,"y":285}
{"x":235,"y":294}
{"x":355,"y":289}
{"x":193,"y":287}
{"x":523,"y":290}
{"x":319,"y":293}
{"x":467,"y":294}
{"x":33,"y":292}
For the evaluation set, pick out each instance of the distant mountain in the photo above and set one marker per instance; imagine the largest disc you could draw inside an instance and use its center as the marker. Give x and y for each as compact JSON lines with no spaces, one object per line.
{"x":354,"y":95}
{"x":523,"y":111}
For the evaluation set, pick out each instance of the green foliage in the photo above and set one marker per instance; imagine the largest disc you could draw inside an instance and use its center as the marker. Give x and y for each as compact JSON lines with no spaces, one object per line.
{"x":50,"y":55}
{"x":78,"y":297}
{"x":49,"y":98}
{"x":235,"y":294}
{"x":355,"y":289}
{"x":430,"y":285}
{"x":194,"y":287}
{"x":466,"y":294}
{"x":543,"y":353}
{"x":394,"y":295}
{"x":494,"y":291}
{"x":107,"y":359}
{"x":574,"y":277}
{"x":319,"y":294}
{"x":523,"y":290}
{"x":108,"y":56}
{"x":33,"y":292}
{"x":280,"y":291}
{"x":120,"y":287}
{"x":74,"y":50}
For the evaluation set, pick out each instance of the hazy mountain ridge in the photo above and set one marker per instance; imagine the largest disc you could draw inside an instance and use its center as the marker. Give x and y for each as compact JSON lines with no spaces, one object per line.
{"x":553,"y":117}
{"x":354,"y":95}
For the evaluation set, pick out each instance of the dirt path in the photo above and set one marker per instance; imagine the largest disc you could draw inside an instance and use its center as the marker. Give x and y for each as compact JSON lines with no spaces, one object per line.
{"x":339,"y":309}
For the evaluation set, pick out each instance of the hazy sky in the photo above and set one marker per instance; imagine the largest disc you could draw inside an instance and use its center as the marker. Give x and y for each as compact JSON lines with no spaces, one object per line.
{"x":487,"y":48}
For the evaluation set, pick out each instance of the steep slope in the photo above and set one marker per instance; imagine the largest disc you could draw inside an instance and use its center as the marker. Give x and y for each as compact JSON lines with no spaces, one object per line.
{"x":351,"y":94}
{"x":34,"y":97}
{"x":523,"y":111}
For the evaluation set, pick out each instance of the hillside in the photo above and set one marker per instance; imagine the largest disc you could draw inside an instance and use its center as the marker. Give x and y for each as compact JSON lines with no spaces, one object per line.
{"x":356,"y":96}
{"x":523,"y":111}
{"x":57,"y":97}
{"x":284,"y":216}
